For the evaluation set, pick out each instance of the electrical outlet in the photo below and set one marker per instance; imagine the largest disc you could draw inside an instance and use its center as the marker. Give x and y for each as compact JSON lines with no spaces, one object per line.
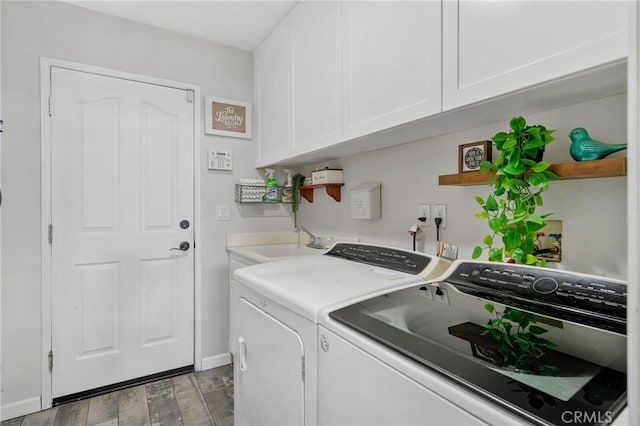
{"x":440,"y":210}
{"x":440,"y":295}
{"x":424,"y":210}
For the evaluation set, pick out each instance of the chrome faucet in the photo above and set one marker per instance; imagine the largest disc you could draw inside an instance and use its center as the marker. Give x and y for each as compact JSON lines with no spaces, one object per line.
{"x":313,"y":240}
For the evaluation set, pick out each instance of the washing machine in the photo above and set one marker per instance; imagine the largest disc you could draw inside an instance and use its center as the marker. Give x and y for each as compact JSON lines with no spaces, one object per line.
{"x":275,"y":309}
{"x":436,"y":353}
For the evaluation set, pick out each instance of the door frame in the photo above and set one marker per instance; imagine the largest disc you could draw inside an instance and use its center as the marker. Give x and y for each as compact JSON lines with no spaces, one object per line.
{"x":46,"y":204}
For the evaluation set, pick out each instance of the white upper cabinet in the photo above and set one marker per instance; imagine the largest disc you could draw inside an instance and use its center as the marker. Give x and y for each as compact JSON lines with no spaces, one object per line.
{"x":334,"y":71}
{"x":272,"y":85}
{"x":298,"y":84}
{"x":392,"y":64}
{"x":495,"y":47}
{"x":317,"y":80}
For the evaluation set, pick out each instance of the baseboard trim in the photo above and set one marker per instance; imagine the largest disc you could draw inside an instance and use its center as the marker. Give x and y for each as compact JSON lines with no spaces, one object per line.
{"x":20,"y":408}
{"x":216,"y":361}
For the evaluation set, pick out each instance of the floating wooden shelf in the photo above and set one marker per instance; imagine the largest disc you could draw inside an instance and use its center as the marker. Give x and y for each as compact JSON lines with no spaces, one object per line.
{"x":607,"y":167}
{"x":333,"y":189}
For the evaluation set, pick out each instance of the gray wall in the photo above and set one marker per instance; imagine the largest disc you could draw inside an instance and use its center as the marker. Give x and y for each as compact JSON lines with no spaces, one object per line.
{"x":593,"y":211}
{"x":63,"y":31}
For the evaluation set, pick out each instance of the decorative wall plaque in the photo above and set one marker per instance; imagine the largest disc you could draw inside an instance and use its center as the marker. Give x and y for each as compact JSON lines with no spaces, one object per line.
{"x":226,"y":117}
{"x":470,"y":155}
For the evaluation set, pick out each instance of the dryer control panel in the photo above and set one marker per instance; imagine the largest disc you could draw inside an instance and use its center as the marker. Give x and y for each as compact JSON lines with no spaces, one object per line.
{"x":551,"y":292}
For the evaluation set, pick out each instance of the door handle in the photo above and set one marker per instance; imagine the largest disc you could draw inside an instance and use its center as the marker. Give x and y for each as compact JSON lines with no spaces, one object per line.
{"x":242,"y":353}
{"x":184,"y":246}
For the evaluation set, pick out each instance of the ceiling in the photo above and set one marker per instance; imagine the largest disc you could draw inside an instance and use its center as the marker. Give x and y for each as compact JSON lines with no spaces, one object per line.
{"x":237,"y":23}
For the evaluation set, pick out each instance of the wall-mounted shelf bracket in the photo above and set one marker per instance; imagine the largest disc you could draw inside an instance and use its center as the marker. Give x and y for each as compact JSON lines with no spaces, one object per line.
{"x":333,"y":189}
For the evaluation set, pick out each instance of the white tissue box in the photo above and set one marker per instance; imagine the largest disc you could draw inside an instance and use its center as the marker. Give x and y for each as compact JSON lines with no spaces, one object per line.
{"x":327,"y":176}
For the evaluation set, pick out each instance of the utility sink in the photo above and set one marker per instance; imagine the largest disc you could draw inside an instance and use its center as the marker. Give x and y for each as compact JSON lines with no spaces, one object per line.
{"x":282,"y":250}
{"x":267,"y":252}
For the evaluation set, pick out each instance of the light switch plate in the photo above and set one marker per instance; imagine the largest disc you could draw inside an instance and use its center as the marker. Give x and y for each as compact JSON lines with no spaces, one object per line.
{"x":223,"y":213}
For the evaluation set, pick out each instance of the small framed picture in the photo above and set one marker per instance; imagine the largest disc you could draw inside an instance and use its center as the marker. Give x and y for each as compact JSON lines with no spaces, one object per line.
{"x":471,"y":154}
{"x":226,"y":117}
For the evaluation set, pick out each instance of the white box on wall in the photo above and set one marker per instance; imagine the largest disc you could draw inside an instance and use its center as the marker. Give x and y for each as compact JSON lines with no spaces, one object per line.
{"x":365,"y":201}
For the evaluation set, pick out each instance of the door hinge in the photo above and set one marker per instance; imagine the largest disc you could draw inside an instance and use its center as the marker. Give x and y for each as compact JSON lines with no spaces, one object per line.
{"x":50,"y":234}
{"x":190,"y":96}
{"x":50,"y":360}
{"x":50,"y":105}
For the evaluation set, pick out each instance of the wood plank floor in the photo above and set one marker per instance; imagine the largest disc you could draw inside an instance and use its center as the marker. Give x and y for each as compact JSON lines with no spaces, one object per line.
{"x":194,"y":399}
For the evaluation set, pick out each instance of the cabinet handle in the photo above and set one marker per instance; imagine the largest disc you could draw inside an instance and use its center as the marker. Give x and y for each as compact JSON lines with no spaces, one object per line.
{"x":243,"y":354}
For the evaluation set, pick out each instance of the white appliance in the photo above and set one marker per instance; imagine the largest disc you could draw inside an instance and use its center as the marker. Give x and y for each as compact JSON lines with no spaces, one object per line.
{"x":275,"y":308}
{"x":417,"y":355}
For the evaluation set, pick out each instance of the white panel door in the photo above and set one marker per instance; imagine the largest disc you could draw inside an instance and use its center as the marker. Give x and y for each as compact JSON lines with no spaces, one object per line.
{"x":268,"y":375}
{"x":122,"y":181}
{"x":392,"y":64}
{"x":495,"y":47}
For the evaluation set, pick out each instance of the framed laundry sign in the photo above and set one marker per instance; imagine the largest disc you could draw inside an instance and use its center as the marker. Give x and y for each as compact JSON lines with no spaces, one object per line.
{"x":226,"y":117}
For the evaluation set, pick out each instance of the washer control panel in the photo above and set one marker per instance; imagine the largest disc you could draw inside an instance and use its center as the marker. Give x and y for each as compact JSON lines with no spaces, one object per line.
{"x":560,"y":293}
{"x":384,"y":257}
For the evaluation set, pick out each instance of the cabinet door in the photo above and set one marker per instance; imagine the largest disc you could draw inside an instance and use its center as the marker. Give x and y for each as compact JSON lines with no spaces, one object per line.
{"x":357,"y":389}
{"x":392,"y":64}
{"x":268,"y":375}
{"x":494,"y":47}
{"x":317,"y":87}
{"x":272,"y":75}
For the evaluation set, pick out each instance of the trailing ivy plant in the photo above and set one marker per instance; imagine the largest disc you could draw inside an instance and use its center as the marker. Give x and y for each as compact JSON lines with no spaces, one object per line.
{"x":519,"y":336}
{"x":296,"y":181}
{"x":519,"y":179}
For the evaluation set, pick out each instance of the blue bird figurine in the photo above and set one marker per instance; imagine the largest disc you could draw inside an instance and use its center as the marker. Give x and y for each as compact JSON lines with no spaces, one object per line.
{"x":583,"y":148}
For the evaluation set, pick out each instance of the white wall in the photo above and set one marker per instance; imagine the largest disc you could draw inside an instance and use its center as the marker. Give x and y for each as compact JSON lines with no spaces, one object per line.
{"x":63,"y":31}
{"x":593,"y":211}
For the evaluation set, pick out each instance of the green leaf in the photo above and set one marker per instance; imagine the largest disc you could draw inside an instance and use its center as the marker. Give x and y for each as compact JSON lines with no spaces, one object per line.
{"x":495,"y":255}
{"x":514,"y":160}
{"x":491,"y":205}
{"x":537,"y":330}
{"x":477,"y":252}
{"x":537,"y":179}
{"x":511,"y":239}
{"x":482,"y":215}
{"x":531,"y":260}
{"x":550,"y":175}
{"x":517,"y":124}
{"x":541,"y":166}
{"x":509,"y":144}
{"x":535,"y":227}
{"x":500,"y":137}
{"x":533,"y":144}
{"x":494,"y":224}
{"x":489,"y":307}
{"x":514,"y":170}
{"x":479,"y":200}
{"x":518,"y":255}
{"x":488,"y":241}
{"x":498,"y":192}
{"x":534,"y":218}
{"x":485,"y":166}
{"x":512,"y":314}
